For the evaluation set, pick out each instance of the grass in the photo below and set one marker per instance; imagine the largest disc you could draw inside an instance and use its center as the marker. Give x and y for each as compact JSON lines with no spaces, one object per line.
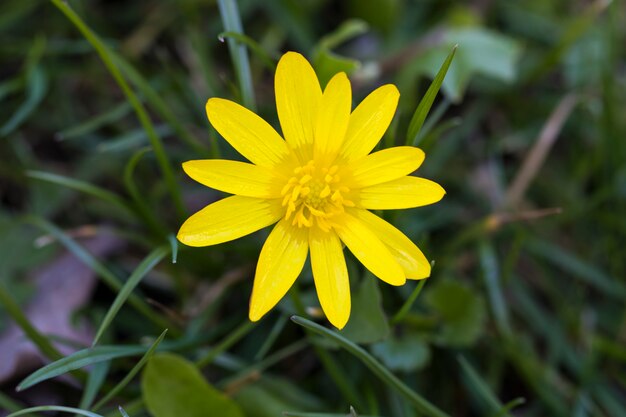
{"x":524,"y":314}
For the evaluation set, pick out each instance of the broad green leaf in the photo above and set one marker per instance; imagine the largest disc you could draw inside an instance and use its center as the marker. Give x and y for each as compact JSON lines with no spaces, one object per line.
{"x":461,"y":310}
{"x":368,"y":323}
{"x":173,"y":387}
{"x":417,"y":121}
{"x":481,"y":51}
{"x":256,"y":401}
{"x":407,"y":352}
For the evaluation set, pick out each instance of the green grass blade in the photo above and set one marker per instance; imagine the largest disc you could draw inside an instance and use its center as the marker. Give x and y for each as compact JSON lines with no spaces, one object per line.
{"x":417,"y":121}
{"x":95,"y":122}
{"x":122,"y":411}
{"x":96,"y":378}
{"x":132,"y":372}
{"x":571,"y":263}
{"x":81,"y":186}
{"x":397,"y":318}
{"x":154,"y":99}
{"x":54,"y":408}
{"x":277,"y":329}
{"x":17,"y":314}
{"x":262,"y":54}
{"x":144,"y":267}
{"x":238,"y":52}
{"x":109,"y":61}
{"x":478,"y":386}
{"x":88,"y":259}
{"x":491,"y":276}
{"x":516,"y":402}
{"x":420,"y":403}
{"x":142,"y":206}
{"x":232,"y":338}
{"x":79,"y":360}
{"x":173,"y":247}
{"x":36,"y":87}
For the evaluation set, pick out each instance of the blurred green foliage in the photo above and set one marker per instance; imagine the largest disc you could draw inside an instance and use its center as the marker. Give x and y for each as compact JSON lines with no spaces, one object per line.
{"x":527,"y":296}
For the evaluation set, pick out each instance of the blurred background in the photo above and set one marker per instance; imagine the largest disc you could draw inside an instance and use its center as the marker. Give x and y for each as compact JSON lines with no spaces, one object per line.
{"x":524,"y":314}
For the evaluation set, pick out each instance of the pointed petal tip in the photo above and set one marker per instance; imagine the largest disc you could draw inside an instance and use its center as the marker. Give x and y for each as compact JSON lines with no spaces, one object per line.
{"x":339,"y":321}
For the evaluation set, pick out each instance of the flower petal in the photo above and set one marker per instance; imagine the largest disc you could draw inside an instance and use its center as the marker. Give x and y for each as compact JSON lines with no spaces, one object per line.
{"x":410,"y":258}
{"x":368,"y":249}
{"x":330,"y":275}
{"x":333,"y":116}
{"x":229,"y":219}
{"x":369,"y":121}
{"x":249,"y":134}
{"x":386,"y":165}
{"x":281,"y":260}
{"x":298,"y":97}
{"x":234,"y":177}
{"x":406,"y":192}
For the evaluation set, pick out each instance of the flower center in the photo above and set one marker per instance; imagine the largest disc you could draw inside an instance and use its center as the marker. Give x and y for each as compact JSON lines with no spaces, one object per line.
{"x":313,"y":195}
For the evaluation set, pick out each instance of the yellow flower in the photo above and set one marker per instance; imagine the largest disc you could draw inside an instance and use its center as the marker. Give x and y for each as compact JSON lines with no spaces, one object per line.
{"x":319,"y":184}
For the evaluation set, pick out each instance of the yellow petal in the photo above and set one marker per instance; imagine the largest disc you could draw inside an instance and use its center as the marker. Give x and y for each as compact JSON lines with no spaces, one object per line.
{"x":234,"y":177}
{"x":281,"y":260}
{"x":406,"y":192}
{"x":298,"y":96}
{"x":330,"y":275}
{"x":410,"y":258}
{"x":386,"y":165}
{"x":333,"y":116}
{"x":229,"y":219}
{"x":369,"y":121}
{"x":369,"y":250}
{"x":249,"y":134}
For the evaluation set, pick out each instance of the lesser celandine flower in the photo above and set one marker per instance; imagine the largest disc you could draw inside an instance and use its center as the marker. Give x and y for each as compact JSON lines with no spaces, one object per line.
{"x":319,"y":184}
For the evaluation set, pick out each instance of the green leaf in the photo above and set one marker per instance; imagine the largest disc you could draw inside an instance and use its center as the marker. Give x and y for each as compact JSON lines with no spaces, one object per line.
{"x":328,"y":63}
{"x":172,"y":387}
{"x":461,"y":310}
{"x":254,"y":46}
{"x":368,"y":323}
{"x":481,"y":51}
{"x":407,"y":352}
{"x":417,"y":121}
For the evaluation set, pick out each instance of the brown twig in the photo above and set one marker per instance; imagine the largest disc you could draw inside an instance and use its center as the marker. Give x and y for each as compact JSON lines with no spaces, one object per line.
{"x":537,"y":155}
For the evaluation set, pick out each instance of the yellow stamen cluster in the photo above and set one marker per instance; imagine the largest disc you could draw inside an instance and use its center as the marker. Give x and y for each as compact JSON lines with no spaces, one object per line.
{"x":313,"y":195}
